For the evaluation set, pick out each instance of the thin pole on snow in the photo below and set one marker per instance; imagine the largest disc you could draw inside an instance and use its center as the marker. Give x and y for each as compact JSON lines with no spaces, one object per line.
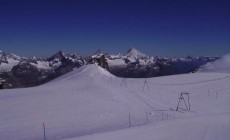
{"x":44,"y":129}
{"x":129,"y":120}
{"x":178,"y":103}
{"x":146,"y":115}
{"x":188,"y":102}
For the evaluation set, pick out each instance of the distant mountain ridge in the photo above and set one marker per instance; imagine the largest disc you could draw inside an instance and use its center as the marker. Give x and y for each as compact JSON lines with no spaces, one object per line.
{"x":135,"y":64}
{"x":23,"y":71}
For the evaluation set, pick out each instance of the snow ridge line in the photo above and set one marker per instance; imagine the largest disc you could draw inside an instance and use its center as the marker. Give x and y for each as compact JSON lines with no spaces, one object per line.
{"x":190,"y":83}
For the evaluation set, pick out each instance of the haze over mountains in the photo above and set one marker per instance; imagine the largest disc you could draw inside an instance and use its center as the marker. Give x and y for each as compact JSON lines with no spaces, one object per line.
{"x":19,"y":71}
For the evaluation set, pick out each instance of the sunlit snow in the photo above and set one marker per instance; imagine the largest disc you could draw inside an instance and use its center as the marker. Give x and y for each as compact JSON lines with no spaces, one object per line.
{"x":89,"y":103}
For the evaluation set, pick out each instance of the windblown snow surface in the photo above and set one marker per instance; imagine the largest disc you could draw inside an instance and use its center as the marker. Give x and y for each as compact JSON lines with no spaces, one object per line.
{"x":91,"y":104}
{"x":220,"y":65}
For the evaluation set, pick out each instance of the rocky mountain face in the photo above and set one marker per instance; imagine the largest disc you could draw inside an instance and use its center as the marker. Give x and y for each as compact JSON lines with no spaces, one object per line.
{"x":16,"y":71}
{"x":25,"y":72}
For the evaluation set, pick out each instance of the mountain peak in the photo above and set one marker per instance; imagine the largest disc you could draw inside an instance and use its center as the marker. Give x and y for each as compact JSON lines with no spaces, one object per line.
{"x":14,"y":56}
{"x":60,"y":53}
{"x":189,"y":57}
{"x":98,"y":52}
{"x":135,"y":53}
{"x":57,"y":55}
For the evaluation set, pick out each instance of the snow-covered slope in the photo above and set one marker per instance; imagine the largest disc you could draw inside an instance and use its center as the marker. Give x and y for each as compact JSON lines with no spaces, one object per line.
{"x":90,"y":100}
{"x":84,"y":72}
{"x":220,"y":65}
{"x":69,"y":106}
{"x":200,"y":128}
{"x":8,"y":61}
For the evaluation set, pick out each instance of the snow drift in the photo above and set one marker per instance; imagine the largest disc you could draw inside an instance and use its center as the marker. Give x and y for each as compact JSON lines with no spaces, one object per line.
{"x":220,"y":65}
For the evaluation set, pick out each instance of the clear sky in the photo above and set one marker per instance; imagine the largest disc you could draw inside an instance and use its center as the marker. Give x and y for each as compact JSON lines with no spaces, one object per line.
{"x":156,"y":27}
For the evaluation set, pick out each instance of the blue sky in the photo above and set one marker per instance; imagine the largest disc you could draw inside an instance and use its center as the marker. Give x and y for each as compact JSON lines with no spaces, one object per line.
{"x":160,"y":27}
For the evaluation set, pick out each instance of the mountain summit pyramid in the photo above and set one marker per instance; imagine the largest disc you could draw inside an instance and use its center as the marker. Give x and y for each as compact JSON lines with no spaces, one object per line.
{"x":135,"y":53}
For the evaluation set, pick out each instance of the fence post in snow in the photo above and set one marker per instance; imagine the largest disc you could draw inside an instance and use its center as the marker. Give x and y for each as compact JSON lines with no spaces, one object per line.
{"x":162,"y":116}
{"x":188,"y":102}
{"x":129,"y":120}
{"x":147,"y":119}
{"x":44,"y":129}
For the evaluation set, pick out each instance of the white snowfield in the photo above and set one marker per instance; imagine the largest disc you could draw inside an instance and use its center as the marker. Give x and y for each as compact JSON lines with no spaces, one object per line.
{"x":91,"y":104}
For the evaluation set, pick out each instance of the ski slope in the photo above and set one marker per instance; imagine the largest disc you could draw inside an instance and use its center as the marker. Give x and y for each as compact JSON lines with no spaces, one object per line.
{"x":89,"y":104}
{"x":199,"y":128}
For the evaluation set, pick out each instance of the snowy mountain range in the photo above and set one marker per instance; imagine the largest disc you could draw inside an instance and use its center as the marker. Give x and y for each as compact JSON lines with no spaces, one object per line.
{"x":135,"y":64}
{"x":8,"y":61}
{"x":23,"y":71}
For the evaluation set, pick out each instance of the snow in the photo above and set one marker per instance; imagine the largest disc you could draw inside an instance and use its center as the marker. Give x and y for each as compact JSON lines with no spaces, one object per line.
{"x":42,"y":65}
{"x":10,"y":60}
{"x":91,"y":70}
{"x":132,"y":56}
{"x":116,"y":62}
{"x":220,"y":65}
{"x":56,"y":63}
{"x":201,"y":128}
{"x":143,"y":62}
{"x":1,"y":80}
{"x":6,"y":67}
{"x":89,"y":103}
{"x":14,"y":56}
